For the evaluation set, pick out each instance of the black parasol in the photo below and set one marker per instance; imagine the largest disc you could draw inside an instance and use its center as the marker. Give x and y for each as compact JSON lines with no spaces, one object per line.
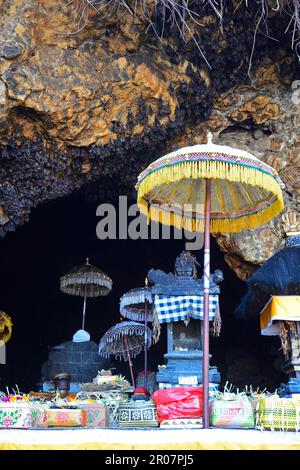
{"x":279,"y":275}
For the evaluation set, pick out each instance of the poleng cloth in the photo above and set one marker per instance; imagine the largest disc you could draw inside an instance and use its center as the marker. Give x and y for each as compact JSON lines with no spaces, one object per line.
{"x":177,"y":308}
{"x":279,"y":307}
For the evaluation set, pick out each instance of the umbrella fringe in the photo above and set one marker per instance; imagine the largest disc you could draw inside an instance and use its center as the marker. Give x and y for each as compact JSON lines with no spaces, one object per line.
{"x":217,"y":324}
{"x":120,"y":356}
{"x":97,"y":280}
{"x":156,"y":327}
{"x":115,"y":336}
{"x":117,"y":333}
{"x":135,"y":298}
{"x":284,"y":338}
{"x":228,"y":225}
{"x":135,"y":315}
{"x":256,"y":175}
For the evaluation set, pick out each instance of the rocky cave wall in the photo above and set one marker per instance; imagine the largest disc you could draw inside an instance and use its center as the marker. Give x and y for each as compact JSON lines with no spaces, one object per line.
{"x":96,"y":100}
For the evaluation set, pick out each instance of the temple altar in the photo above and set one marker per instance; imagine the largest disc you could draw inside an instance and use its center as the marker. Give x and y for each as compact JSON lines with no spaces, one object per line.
{"x":178,"y":300}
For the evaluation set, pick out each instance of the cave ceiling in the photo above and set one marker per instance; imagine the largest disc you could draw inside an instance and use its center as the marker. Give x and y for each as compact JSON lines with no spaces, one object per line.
{"x":89,"y":99}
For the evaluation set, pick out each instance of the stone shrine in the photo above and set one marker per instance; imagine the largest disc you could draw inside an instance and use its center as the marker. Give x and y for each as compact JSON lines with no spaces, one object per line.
{"x":184,"y":356}
{"x":80,"y":360}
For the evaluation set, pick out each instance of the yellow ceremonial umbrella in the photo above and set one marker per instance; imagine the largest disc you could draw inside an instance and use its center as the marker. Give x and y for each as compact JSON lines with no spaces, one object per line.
{"x":209,"y":188}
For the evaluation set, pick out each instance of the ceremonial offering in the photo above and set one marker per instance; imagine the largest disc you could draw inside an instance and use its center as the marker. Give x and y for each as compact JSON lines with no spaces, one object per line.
{"x":232,"y":412}
{"x":44,"y":396}
{"x":112,"y":399}
{"x":58,"y":417}
{"x":105,"y":376}
{"x":97,"y":414}
{"x":22,"y":415}
{"x":138,"y":414}
{"x":278,"y":414}
{"x":106,"y":381}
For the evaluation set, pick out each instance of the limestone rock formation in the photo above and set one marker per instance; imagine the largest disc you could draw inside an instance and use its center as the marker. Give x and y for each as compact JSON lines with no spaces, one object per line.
{"x":263,"y":117}
{"x":95,"y":97}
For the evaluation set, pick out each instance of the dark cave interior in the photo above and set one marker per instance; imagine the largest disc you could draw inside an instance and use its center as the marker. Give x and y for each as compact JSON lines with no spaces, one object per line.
{"x":61,"y":234}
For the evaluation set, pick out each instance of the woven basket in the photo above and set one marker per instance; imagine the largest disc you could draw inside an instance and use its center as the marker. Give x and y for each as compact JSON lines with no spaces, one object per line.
{"x":278,"y":414}
{"x":138,"y":413}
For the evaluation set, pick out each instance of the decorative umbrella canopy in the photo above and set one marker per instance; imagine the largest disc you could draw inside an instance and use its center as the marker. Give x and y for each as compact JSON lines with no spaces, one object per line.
{"x":132,"y":304}
{"x":113,"y":342}
{"x":125,"y":341}
{"x":137,"y":305}
{"x":210,"y":188}
{"x":86,"y":281}
{"x":5,"y":327}
{"x":245,"y":192}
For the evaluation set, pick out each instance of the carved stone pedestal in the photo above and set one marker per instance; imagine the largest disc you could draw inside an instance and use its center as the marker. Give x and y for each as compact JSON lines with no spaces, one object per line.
{"x":184,"y":357}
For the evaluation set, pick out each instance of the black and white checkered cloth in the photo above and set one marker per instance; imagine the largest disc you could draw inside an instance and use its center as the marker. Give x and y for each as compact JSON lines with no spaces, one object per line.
{"x":177,"y":308}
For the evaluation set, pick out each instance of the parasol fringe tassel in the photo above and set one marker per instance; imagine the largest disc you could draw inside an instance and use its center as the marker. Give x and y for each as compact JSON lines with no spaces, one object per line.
{"x":135,"y":316}
{"x":248,"y":222}
{"x":214,"y":170}
{"x":86,"y":280}
{"x":120,"y":356}
{"x":135,"y":299}
{"x":156,"y":327}
{"x":234,"y":172}
{"x":217,"y":324}
{"x":284,"y":337}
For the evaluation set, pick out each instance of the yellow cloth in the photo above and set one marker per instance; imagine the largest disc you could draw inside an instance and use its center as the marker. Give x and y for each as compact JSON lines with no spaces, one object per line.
{"x":5,"y":327}
{"x":111,"y":439}
{"x":279,"y":307}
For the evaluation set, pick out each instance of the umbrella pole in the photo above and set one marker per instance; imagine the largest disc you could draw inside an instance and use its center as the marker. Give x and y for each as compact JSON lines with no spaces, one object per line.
{"x":129,"y":361}
{"x":145,"y":346}
{"x":206,"y":282}
{"x":83,"y":313}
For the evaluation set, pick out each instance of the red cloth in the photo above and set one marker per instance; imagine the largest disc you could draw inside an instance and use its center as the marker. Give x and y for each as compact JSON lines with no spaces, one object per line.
{"x":179,"y":402}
